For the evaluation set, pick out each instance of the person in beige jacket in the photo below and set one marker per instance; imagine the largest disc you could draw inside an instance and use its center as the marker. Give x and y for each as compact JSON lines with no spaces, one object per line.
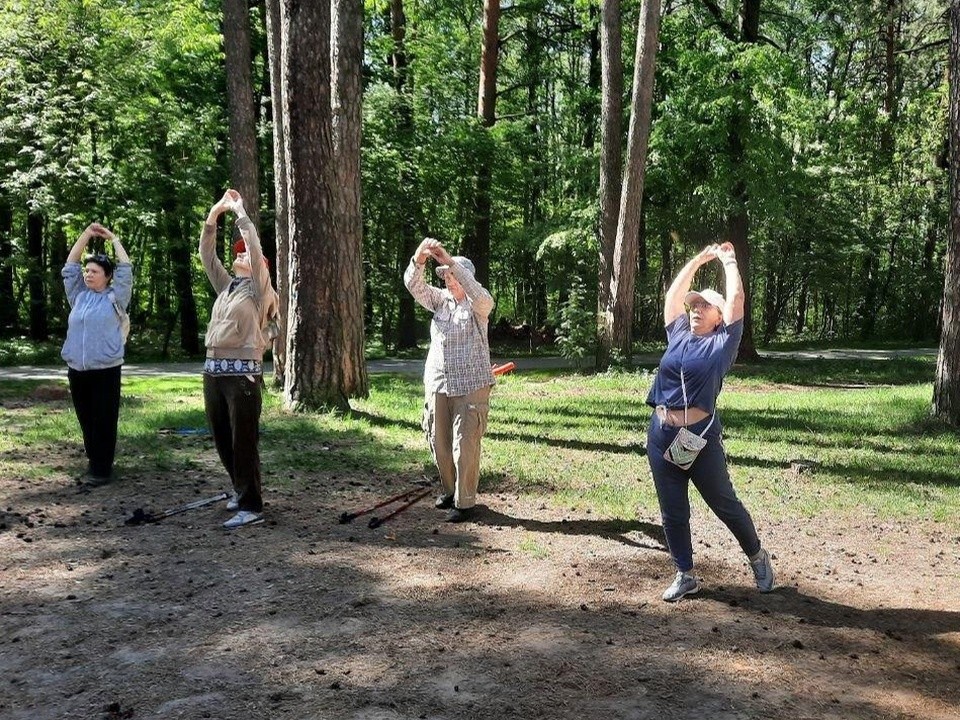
{"x":233,"y":371}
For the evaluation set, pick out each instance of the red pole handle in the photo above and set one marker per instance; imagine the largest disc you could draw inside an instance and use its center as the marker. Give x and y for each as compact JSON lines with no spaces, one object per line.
{"x":504,"y":369}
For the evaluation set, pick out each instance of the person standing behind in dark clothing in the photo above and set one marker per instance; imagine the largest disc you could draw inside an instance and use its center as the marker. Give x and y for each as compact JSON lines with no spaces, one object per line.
{"x":98,"y":293}
{"x":233,"y":371}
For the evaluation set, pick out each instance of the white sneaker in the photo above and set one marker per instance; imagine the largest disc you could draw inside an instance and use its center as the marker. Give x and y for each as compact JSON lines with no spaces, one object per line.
{"x":233,"y":504}
{"x":244,"y":517}
{"x":683,"y":584}
{"x":763,"y":571}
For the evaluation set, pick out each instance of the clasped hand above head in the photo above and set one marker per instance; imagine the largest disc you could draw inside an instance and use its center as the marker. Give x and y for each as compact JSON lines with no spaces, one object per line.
{"x":98,"y":230}
{"x":724,"y":252}
{"x":432,"y":248}
{"x":231,"y":201}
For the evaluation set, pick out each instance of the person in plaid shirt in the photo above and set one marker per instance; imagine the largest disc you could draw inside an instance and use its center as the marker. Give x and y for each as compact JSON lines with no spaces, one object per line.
{"x":457,"y":376}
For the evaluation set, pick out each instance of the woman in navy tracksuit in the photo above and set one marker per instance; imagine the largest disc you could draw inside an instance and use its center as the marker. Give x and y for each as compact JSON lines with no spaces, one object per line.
{"x":701,"y":348}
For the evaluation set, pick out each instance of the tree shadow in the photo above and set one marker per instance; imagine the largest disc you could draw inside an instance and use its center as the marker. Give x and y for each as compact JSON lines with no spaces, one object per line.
{"x":615,"y":530}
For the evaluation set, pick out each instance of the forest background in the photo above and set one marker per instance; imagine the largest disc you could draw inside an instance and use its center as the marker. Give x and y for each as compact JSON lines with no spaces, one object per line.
{"x":826,"y":130}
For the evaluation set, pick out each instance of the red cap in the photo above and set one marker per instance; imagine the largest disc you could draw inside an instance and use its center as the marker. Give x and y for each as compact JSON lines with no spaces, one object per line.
{"x":240,"y":246}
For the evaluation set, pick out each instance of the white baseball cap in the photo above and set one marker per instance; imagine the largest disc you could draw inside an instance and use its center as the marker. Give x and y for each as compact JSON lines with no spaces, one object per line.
{"x":711,"y":296}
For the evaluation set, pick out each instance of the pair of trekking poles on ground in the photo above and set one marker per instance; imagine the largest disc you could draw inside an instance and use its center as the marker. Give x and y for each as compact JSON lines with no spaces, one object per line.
{"x":410,"y":497}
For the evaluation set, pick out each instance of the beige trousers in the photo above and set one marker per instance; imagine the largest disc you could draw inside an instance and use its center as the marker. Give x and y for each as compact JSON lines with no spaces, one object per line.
{"x":454,"y":427}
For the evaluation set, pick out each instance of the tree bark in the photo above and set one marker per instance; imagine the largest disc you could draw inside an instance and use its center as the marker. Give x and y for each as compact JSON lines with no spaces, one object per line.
{"x":8,"y":302}
{"x":347,"y":118}
{"x":180,"y":252}
{"x":738,"y":221}
{"x":477,"y":247}
{"x":611,"y":147}
{"x":618,"y":316}
{"x":37,"y":272}
{"x":324,"y":364}
{"x":244,"y":167}
{"x":406,"y":331}
{"x":946,"y":388}
{"x":590,"y":106}
{"x":281,"y":203}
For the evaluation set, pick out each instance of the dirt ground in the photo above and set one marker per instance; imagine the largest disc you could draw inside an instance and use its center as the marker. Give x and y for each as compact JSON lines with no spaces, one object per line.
{"x":529,"y":612}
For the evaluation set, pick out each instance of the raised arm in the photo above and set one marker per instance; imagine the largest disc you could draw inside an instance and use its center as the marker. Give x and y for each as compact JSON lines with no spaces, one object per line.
{"x":216,"y":274}
{"x":118,"y":250}
{"x":734,"y":292}
{"x":413,"y":277}
{"x":673,"y":306}
{"x":252,"y":240}
{"x":76,"y":252}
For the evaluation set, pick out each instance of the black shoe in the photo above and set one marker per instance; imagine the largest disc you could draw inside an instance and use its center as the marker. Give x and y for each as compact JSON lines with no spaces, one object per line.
{"x":95,"y":481}
{"x":443,"y":502}
{"x":457,"y":515}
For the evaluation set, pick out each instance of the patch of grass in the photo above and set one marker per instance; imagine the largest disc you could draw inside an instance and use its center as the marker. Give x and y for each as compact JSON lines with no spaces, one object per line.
{"x":529,"y":546}
{"x":573,"y":441}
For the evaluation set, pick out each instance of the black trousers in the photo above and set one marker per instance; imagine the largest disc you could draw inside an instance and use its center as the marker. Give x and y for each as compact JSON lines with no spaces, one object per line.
{"x":96,"y":398}
{"x":233,"y":405}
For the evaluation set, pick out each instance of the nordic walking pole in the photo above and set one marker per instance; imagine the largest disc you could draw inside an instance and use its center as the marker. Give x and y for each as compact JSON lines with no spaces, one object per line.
{"x":139,"y":516}
{"x":376,"y":522}
{"x":346,"y":517}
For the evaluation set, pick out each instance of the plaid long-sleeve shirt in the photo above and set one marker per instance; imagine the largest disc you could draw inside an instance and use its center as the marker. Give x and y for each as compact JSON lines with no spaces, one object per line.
{"x":459,"y":358}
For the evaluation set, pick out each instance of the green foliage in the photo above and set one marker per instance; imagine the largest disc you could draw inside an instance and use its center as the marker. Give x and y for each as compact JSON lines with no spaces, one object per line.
{"x":116,"y":112}
{"x":576,"y":337}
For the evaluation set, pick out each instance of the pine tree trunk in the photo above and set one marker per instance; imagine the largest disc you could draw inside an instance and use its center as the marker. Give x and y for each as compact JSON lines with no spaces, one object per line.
{"x":406,"y":330}
{"x":36,"y":270}
{"x":281,"y":203}
{"x":8,"y":302}
{"x":738,"y":221}
{"x":244,"y":167}
{"x":946,"y":388}
{"x":324,"y":364}
{"x":477,"y":246}
{"x":347,"y":117}
{"x":611,"y":148}
{"x":619,"y":315}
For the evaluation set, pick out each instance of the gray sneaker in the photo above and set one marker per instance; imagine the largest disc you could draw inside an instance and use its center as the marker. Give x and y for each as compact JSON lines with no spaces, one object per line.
{"x":233,"y":504}
{"x":763,"y":571}
{"x":683,"y":584}
{"x":244,"y":517}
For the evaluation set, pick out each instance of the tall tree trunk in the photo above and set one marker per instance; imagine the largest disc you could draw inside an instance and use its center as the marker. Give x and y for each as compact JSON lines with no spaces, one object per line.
{"x":181,"y":252}
{"x":8,"y":302}
{"x":738,"y":221}
{"x":281,"y":202}
{"x":477,"y":246}
{"x":57,"y":251}
{"x":611,"y":148}
{"x":406,"y":331}
{"x":347,"y":119}
{"x":244,"y":167}
{"x":618,"y":316}
{"x":37,"y":272}
{"x":590,"y":105}
{"x":324,"y":365}
{"x":946,"y":388}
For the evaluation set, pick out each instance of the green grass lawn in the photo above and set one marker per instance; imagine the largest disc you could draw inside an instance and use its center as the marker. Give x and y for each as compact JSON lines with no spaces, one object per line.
{"x":573,"y":440}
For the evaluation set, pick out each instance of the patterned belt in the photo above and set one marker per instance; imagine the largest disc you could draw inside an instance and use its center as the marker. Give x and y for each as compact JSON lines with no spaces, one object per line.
{"x":226,"y":366}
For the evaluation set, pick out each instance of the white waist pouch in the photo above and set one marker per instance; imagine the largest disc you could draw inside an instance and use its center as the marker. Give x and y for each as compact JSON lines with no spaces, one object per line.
{"x":685,"y":447}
